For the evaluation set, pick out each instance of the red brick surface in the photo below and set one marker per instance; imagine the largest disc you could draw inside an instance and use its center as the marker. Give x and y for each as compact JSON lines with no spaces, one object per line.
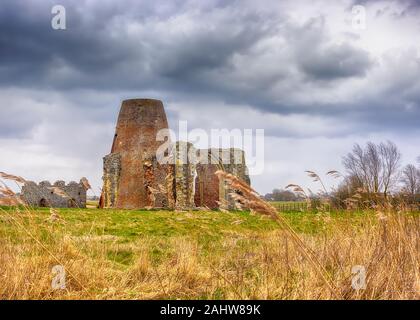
{"x":135,"y":139}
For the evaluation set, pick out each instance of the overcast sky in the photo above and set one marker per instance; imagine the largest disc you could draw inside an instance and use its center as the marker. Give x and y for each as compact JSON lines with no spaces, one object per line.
{"x":298,"y":69}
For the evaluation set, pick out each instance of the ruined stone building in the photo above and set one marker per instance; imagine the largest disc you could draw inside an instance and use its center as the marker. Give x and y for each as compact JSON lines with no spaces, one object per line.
{"x":133,"y":176}
{"x":57,"y":195}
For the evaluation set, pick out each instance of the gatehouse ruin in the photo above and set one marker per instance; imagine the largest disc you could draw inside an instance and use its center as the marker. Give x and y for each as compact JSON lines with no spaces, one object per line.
{"x":134,"y":178}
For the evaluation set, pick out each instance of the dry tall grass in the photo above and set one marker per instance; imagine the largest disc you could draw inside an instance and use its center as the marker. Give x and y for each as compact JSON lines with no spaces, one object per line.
{"x":280,"y":264}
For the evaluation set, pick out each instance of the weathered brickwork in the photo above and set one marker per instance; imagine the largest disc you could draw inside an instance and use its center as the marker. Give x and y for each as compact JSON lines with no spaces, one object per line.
{"x":57,"y":195}
{"x":154,"y":181}
{"x":135,"y":141}
{"x":209,"y":191}
{"x":133,"y":178}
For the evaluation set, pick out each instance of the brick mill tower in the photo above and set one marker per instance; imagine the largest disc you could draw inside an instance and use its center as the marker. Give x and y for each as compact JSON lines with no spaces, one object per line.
{"x":131,"y":171}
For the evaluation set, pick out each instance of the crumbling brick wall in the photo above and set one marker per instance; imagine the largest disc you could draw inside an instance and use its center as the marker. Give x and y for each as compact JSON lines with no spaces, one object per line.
{"x":154,"y":181}
{"x":209,"y":191}
{"x":207,"y":184}
{"x":57,"y":195}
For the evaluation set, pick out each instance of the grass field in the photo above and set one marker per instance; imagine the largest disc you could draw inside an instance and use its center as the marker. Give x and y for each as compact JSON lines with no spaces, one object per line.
{"x":111,"y":254}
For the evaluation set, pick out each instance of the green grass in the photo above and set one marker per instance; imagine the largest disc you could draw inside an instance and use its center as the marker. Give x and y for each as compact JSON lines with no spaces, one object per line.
{"x":207,"y":228}
{"x":130,"y":225}
{"x":121,"y":230}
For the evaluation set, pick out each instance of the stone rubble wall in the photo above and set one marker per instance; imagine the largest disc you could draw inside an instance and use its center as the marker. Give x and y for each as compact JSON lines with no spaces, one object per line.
{"x":185,"y":172}
{"x":111,"y":179}
{"x":57,"y":195}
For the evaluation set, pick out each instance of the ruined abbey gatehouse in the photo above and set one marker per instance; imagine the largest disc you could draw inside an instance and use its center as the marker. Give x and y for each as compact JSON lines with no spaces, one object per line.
{"x":134,"y":177}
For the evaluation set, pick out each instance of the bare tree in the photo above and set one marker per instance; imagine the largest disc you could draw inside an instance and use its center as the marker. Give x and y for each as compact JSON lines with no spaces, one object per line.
{"x":411,"y":180}
{"x":375,"y":166}
{"x":391,"y":158}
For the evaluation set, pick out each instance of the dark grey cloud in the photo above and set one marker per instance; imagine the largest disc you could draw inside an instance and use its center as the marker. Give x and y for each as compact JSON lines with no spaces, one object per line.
{"x":321,"y":60}
{"x":98,"y":50}
{"x":341,"y":61}
{"x":180,"y":51}
{"x":32,"y":52}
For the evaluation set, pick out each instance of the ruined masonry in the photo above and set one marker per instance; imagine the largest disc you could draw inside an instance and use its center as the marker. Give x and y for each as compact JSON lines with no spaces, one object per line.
{"x":209,"y":191}
{"x":57,"y":195}
{"x":133,"y":178}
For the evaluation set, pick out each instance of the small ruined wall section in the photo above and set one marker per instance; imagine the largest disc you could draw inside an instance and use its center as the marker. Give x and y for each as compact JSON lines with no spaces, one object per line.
{"x":185,"y":173}
{"x":154,"y":182}
{"x":111,"y":179}
{"x":211,"y":192}
{"x":238,"y":168}
{"x":57,"y":195}
{"x":207,"y":183}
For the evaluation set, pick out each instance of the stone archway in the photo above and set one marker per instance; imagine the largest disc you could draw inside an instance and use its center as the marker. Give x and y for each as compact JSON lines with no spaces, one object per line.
{"x":43,"y":203}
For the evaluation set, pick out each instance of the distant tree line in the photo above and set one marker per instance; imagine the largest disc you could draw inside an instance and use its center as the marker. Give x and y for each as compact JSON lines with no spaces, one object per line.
{"x":283,"y":195}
